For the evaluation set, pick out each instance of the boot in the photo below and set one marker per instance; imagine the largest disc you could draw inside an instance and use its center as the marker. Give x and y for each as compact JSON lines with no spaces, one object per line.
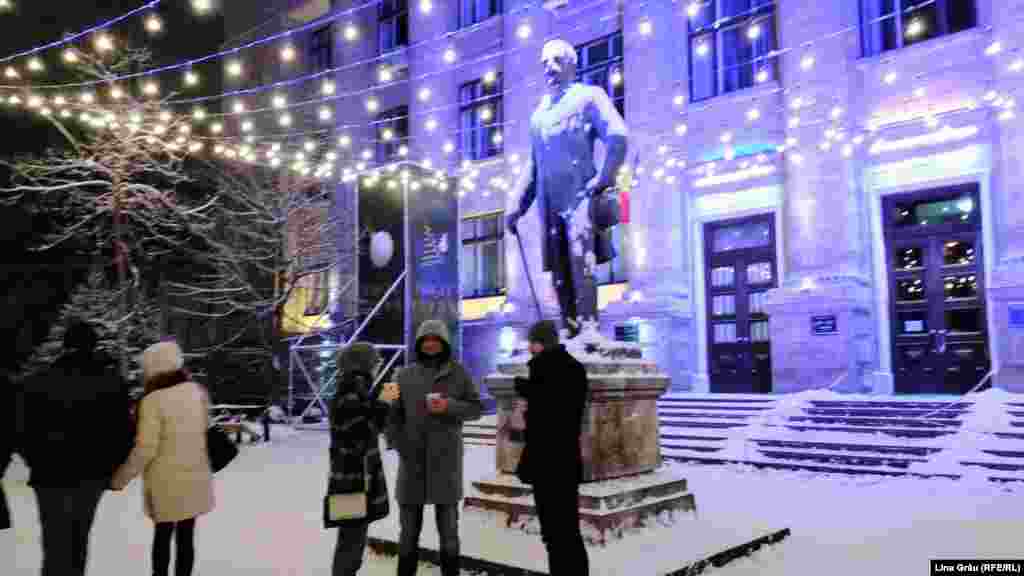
{"x":407,"y":565}
{"x":450,"y":564}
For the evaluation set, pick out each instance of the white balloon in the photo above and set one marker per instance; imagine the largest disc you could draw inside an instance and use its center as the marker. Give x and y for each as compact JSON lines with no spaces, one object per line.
{"x":382,"y":248}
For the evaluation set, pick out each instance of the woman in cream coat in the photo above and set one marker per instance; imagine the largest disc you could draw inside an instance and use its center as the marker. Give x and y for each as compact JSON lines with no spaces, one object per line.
{"x":170,"y":453}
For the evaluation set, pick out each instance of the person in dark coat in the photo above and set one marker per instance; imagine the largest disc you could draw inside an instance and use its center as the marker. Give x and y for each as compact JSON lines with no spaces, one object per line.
{"x":7,"y":434}
{"x":76,"y":432}
{"x":556,"y":394}
{"x":427,"y":431}
{"x":357,"y":418}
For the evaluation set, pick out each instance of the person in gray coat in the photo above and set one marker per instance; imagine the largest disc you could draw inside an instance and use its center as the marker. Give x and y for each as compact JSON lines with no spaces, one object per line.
{"x":436,"y":396}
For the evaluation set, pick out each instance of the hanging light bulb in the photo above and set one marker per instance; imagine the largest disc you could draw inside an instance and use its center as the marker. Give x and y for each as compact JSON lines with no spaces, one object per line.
{"x":87,"y":98}
{"x":351,"y":33}
{"x":616,"y":77}
{"x":807,"y":62}
{"x":328,"y":88}
{"x":372,"y":105}
{"x":11,"y":73}
{"x":199,"y":114}
{"x":325,"y":113}
{"x":450,"y":55}
{"x":890,"y":78}
{"x":448,"y":147}
{"x":486,"y":114}
{"x":153,"y":24}
{"x":247,"y":126}
{"x":310,"y":146}
{"x":646,"y":27}
{"x":386,"y":135}
{"x":344,"y":141}
{"x":70,"y":56}
{"x":489,"y":77}
{"x":104,"y":43}
{"x":762,"y":75}
{"x":151,"y":88}
{"x":703,"y":48}
{"x":424,"y":94}
{"x":431,"y":124}
{"x":191,"y":78}
{"x":753,"y":114}
{"x":914,"y":28}
{"x":279,"y":101}
{"x":285,"y":120}
{"x":385,"y":74}
{"x":238,"y":107}
{"x":216,"y":128}
{"x":288,"y":53}
{"x":59,"y":100}
{"x":234,"y":68}
{"x":35,"y":64}
{"x":693,"y":10}
{"x":754,"y":32}
{"x":426,"y":6}
{"x":524,"y":31}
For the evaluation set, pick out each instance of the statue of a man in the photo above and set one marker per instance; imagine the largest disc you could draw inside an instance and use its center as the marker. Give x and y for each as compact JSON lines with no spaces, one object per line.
{"x":577,"y":203}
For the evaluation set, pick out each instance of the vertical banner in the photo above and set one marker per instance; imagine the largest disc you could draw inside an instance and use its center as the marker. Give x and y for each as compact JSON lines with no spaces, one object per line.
{"x":381,"y":241}
{"x":434,"y":237}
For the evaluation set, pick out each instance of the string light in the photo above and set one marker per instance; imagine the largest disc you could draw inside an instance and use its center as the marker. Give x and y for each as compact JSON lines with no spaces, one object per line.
{"x":328,"y":88}
{"x":915,"y":28}
{"x":344,"y":141}
{"x":836,"y":113}
{"x":994,"y":48}
{"x":890,"y":78}
{"x":238,"y":107}
{"x":285,"y":120}
{"x":424,"y":94}
{"x":702,"y":48}
{"x":524,"y":31}
{"x":325,"y":113}
{"x":646,"y":27}
{"x":351,"y":33}
{"x":216,"y":128}
{"x":35,"y":65}
{"x":450,"y":55}
{"x":87,"y":98}
{"x":202,"y":6}
{"x":154,"y":25}
{"x":247,"y":126}
{"x":385,"y":74}
{"x":104,"y":43}
{"x":191,"y":78}
{"x":150,"y":88}
{"x":1017,"y":65}
{"x":288,"y":53}
{"x":279,"y":101}
{"x":11,"y":73}
{"x":754,"y":32}
{"x":372,"y":105}
{"x":199,"y":114}
{"x":681,"y":129}
{"x":693,"y":10}
{"x":116,"y":93}
{"x":753,"y":114}
{"x":807,"y":62}
{"x":762,"y":75}
{"x":70,"y":56}
{"x":431,"y":124}
{"x":449,"y":147}
{"x":426,"y":6}
{"x":234,"y":68}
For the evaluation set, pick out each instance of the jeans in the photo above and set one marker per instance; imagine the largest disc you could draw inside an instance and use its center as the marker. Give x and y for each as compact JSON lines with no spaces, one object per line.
{"x":185,"y":553}
{"x":348,"y":552}
{"x":66,"y":515}
{"x":447,"y":518}
{"x":559,"y":514}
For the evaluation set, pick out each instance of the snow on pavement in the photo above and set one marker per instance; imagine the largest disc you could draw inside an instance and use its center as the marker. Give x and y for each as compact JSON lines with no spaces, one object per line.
{"x":268,"y":519}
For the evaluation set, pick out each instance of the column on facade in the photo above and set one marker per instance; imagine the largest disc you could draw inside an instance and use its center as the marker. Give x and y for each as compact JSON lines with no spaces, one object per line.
{"x":1006,"y":286}
{"x":822,"y":218}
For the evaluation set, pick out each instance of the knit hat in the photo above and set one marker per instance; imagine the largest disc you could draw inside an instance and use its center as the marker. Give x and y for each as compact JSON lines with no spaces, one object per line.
{"x":161,"y":358}
{"x":80,"y":335}
{"x":544,"y":332}
{"x":358,"y":357}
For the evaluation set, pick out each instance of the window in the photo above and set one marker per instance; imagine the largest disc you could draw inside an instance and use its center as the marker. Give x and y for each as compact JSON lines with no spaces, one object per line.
{"x":321,"y":49}
{"x":600,"y":64}
{"x":481,"y":119}
{"x":483,"y":255}
{"x":731,"y":42}
{"x":392,"y":132}
{"x":476,"y":11}
{"x":891,"y":24}
{"x":393,"y":25}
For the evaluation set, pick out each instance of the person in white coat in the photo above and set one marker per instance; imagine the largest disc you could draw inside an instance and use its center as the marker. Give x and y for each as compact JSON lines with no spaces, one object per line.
{"x":170,"y":452}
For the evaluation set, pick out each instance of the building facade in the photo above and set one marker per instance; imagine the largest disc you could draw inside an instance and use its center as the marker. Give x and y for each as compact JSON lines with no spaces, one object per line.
{"x":822,"y":194}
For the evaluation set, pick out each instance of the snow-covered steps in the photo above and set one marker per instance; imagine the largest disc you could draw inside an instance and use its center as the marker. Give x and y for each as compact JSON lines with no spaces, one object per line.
{"x":482,"y":432}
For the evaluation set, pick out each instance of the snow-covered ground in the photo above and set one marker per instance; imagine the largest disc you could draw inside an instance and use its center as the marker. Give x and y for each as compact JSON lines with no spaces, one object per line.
{"x":268,"y":519}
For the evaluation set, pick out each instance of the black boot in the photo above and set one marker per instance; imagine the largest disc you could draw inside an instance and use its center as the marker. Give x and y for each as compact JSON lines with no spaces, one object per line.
{"x":450,"y":564}
{"x":407,"y":565}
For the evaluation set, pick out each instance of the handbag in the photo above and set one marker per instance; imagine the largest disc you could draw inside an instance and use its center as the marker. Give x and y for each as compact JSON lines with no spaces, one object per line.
{"x":352,"y":506}
{"x":220,"y":448}
{"x":605,"y":209}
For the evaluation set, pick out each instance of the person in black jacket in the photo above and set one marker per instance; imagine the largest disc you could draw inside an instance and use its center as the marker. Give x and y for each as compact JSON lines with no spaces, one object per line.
{"x":77,"y":430}
{"x":556,"y":394}
{"x":357,"y":418}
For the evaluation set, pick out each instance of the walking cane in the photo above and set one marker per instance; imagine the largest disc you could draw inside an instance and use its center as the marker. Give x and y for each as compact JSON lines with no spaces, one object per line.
{"x":529,"y":279}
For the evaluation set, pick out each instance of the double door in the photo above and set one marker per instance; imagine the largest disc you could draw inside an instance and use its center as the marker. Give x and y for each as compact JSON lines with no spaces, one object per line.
{"x":936,"y":293}
{"x":740,"y":269}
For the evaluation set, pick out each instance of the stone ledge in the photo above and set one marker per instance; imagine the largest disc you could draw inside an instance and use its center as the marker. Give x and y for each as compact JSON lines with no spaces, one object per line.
{"x":606,"y":512}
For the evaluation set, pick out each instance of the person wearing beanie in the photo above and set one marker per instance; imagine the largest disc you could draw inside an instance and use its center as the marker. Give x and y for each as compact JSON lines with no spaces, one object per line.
{"x":358,"y":415}
{"x":75,"y":430}
{"x":170,"y":452}
{"x":436,"y":396}
{"x":556,"y":394}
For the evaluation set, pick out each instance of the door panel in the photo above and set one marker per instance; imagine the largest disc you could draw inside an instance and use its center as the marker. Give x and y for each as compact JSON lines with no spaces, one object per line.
{"x":940,"y":341}
{"x":740,"y":269}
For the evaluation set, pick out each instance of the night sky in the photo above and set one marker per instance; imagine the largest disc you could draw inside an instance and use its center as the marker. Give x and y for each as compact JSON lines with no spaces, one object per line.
{"x":36,"y":22}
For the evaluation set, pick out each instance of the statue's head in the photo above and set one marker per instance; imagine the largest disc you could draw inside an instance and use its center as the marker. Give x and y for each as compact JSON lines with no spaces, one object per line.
{"x":559,"y":60}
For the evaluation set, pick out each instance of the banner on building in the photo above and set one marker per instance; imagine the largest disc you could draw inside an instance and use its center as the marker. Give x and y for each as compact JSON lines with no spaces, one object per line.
{"x":381,"y":241}
{"x":434,"y":266}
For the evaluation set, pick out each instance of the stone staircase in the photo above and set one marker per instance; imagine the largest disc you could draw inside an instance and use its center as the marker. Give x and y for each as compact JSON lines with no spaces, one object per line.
{"x":980,"y":436}
{"x":977,"y":436}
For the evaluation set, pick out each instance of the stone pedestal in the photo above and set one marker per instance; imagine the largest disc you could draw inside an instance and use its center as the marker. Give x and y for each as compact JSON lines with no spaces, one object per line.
{"x":821,"y":335}
{"x":624,"y":484}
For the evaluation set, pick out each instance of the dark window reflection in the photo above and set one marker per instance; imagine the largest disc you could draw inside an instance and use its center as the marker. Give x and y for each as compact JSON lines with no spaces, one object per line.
{"x":958,"y":252}
{"x":967,"y":320}
{"x":910,"y":290}
{"x":930,"y":213}
{"x":909,"y":258}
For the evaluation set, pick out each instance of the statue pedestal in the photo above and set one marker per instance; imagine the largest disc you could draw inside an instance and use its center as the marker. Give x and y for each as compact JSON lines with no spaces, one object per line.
{"x":624,"y":483}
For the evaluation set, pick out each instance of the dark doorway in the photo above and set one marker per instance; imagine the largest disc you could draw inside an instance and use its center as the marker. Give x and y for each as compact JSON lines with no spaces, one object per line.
{"x":937,"y":299}
{"x":740,"y":268}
